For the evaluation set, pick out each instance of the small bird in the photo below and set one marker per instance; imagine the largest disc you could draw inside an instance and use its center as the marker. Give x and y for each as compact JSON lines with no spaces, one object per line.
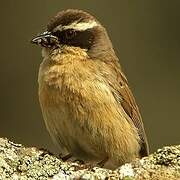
{"x":87,"y":105}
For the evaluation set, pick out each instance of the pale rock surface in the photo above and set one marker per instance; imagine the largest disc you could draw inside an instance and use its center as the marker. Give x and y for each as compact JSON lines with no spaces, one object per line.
{"x":20,"y":163}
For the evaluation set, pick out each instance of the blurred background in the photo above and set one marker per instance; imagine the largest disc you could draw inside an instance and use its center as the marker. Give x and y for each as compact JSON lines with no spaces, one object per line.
{"x":146,"y":37}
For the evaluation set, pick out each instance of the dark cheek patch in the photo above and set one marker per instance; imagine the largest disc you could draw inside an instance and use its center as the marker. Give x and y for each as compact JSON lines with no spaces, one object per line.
{"x":82,"y":39}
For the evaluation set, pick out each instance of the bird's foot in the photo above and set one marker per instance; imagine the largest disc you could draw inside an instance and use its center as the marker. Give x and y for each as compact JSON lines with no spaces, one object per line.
{"x":65,"y":157}
{"x":91,"y":165}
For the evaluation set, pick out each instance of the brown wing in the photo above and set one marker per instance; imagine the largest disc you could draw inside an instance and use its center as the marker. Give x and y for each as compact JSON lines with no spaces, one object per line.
{"x":131,"y":108}
{"x":124,"y":96}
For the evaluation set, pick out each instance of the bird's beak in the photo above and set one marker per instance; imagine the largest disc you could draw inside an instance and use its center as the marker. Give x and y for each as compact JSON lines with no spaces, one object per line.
{"x":45,"y":39}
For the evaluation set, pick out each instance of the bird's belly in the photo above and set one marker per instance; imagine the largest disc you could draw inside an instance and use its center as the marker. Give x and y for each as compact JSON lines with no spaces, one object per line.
{"x":70,"y":136}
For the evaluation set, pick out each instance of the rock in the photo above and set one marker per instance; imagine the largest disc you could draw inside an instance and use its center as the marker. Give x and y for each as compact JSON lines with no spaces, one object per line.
{"x":20,"y":163}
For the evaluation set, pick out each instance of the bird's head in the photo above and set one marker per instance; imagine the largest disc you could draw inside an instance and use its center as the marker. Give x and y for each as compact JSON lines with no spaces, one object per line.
{"x":75,"y":28}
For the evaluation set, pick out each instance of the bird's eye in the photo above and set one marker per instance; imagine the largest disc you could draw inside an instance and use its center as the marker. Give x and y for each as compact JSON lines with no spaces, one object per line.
{"x":57,"y":33}
{"x":69,"y":34}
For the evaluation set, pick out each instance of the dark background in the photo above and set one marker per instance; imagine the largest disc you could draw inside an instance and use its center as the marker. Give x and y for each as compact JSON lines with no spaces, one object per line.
{"x":146,"y":37}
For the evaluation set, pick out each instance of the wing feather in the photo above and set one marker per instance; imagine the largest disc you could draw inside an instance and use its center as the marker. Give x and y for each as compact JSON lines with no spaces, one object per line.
{"x":123,"y":95}
{"x":129,"y":104}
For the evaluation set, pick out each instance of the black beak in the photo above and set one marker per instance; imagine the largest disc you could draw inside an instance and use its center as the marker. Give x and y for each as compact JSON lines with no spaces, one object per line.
{"x":45,"y":39}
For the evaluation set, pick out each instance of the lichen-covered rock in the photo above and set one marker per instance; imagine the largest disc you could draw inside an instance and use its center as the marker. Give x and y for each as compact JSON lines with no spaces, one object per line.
{"x":162,"y":165}
{"x":20,"y":163}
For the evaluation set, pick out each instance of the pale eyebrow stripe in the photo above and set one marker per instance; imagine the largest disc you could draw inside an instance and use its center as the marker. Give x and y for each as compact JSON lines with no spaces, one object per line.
{"x":81,"y":26}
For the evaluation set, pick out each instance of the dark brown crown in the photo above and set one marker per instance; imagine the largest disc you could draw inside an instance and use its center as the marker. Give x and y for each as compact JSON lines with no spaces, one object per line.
{"x":67,"y":17}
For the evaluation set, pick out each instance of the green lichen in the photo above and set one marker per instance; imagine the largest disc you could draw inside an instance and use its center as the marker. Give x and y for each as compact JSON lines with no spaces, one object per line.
{"x":18,"y":162}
